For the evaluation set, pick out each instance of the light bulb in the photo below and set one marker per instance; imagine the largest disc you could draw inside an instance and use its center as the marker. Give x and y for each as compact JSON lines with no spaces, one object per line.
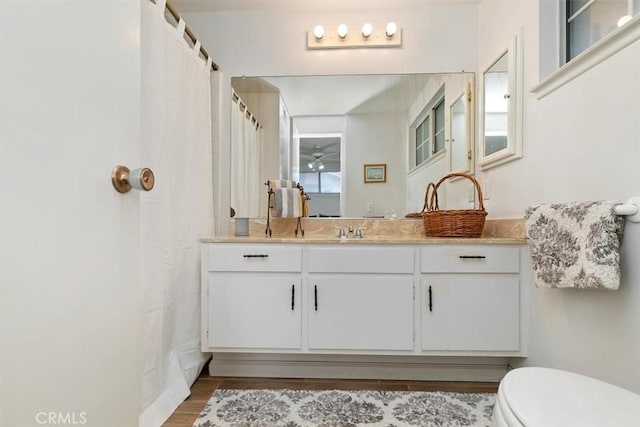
{"x":318,"y":31}
{"x":310,"y":165}
{"x":321,"y":166}
{"x":391,"y":29}
{"x":342,"y":30}
{"x":624,"y":20}
{"x":367,"y":29}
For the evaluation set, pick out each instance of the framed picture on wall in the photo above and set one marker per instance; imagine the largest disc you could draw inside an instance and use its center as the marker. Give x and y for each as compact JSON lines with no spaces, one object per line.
{"x":375,"y":173}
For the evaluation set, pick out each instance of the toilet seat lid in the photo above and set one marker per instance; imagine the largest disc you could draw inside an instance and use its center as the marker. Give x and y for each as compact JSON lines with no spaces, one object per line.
{"x":543,"y":397}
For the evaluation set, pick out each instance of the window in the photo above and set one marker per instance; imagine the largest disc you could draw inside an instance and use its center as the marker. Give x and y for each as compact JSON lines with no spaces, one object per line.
{"x":587,"y":21}
{"x":423,"y":141}
{"x":429,"y":136}
{"x":439,"y":126}
{"x":577,"y":35}
{"x":320,"y":182}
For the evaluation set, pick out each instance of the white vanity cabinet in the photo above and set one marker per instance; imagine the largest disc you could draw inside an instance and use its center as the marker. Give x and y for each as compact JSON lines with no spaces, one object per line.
{"x":470,"y":298}
{"x":253,"y":297}
{"x":340,"y":298}
{"x":360,"y":298}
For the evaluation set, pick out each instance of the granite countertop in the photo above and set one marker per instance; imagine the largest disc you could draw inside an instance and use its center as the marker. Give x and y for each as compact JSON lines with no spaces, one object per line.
{"x":397,"y":232}
{"x":369,"y":240}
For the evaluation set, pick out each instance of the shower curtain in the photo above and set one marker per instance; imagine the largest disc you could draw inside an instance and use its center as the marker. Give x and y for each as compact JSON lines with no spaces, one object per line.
{"x":246,"y":152}
{"x":176,"y":145}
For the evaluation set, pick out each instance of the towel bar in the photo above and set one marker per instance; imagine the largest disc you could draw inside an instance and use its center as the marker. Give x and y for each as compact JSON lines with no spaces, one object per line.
{"x":631,"y":209}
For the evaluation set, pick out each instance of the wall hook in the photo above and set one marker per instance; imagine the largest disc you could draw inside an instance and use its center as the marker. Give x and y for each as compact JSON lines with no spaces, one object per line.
{"x":124,"y":180}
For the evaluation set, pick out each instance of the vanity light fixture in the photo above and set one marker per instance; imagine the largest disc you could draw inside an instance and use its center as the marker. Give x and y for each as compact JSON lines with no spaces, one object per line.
{"x":391,"y":29}
{"x":371,"y":35}
{"x":318,"y":32}
{"x":342,"y":31}
{"x":367,"y":29}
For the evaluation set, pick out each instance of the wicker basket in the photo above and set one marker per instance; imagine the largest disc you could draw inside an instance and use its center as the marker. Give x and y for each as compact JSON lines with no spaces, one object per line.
{"x":453,"y":223}
{"x":420,"y":215}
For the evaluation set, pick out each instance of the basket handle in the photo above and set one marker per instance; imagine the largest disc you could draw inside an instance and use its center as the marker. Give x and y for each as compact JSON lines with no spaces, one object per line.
{"x":430,"y":190}
{"x":433,"y":201}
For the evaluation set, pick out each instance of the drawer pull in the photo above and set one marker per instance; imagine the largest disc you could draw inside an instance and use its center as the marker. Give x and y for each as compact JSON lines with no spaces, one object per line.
{"x":315,"y":297}
{"x":472,"y":257}
{"x":430,"y":299}
{"x":256,"y":256}
{"x":293,"y":295}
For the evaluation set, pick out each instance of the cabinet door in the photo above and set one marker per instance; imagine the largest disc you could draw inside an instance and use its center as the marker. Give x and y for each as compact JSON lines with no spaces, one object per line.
{"x":254,"y":310}
{"x":470,"y":312}
{"x":360,"y":312}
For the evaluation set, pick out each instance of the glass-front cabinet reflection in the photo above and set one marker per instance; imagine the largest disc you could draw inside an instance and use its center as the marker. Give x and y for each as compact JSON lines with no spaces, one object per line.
{"x":496,"y":106}
{"x":501,"y":108}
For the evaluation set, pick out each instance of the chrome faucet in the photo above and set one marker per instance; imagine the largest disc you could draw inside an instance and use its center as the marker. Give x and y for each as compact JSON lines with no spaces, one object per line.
{"x":359,"y":232}
{"x":354,"y":233}
{"x":350,"y":232}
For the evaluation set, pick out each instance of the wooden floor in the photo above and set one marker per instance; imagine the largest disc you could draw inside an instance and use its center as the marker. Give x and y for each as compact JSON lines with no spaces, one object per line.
{"x":204,"y":387}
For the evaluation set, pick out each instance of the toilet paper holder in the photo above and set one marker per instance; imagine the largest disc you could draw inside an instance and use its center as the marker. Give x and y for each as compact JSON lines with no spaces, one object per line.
{"x":124,"y":180}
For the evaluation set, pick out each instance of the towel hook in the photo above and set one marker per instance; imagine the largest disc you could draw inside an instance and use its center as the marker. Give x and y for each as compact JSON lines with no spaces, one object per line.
{"x":631,"y":209}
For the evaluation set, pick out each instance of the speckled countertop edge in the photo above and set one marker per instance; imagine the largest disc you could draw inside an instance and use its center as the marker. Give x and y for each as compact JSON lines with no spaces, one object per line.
{"x":370,"y":240}
{"x":501,"y":231}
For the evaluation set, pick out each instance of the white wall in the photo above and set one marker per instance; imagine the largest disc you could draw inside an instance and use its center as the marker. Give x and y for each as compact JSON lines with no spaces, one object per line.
{"x":580,"y":143}
{"x":273,"y":42}
{"x":69,"y":251}
{"x":372,"y":139}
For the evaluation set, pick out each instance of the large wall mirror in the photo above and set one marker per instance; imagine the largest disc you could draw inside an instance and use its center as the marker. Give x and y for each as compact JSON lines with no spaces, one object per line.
{"x":501,"y":107}
{"x":323,"y":130}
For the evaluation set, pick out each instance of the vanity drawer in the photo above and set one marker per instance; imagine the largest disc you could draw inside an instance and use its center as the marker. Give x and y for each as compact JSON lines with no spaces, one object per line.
{"x":469,"y":259}
{"x":358,"y":259}
{"x":250,"y":257}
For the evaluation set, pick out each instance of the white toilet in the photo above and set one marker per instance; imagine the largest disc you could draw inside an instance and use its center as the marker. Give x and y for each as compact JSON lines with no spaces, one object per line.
{"x":543,"y":397}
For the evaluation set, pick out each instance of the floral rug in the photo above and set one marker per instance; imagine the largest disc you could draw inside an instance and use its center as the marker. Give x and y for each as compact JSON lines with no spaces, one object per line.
{"x":333,"y":408}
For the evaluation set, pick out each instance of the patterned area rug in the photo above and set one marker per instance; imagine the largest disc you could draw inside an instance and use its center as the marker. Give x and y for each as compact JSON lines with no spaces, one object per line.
{"x":333,"y":408}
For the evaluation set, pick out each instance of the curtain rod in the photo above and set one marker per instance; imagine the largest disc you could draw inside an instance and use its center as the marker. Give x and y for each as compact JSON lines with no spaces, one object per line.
{"x":193,"y":38}
{"x":236,"y":98}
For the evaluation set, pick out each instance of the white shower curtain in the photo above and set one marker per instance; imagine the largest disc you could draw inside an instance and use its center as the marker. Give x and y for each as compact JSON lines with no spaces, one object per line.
{"x":246,"y":152}
{"x":176,"y":145}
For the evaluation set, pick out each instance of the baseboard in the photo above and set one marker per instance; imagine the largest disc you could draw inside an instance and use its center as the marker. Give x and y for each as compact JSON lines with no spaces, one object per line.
{"x":490,"y":369}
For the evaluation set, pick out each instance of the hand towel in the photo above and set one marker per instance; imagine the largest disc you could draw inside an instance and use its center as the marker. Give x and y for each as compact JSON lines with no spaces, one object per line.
{"x":575,"y":245}
{"x":287,"y":203}
{"x":282,"y":183}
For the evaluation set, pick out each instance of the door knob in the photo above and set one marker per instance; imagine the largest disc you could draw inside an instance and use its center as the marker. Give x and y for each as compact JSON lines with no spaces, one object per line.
{"x":124,"y":180}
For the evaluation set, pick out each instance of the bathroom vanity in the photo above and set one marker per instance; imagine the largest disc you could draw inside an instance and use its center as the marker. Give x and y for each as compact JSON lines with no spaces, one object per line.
{"x":287,"y":301}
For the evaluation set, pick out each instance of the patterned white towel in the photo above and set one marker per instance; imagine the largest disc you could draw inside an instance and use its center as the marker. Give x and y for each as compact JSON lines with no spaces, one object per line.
{"x":287,"y":203}
{"x":575,"y":245}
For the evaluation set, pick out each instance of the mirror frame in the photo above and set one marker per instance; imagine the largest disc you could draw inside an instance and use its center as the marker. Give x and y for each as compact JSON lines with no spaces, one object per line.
{"x":513,"y":150}
{"x":467,"y":97}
